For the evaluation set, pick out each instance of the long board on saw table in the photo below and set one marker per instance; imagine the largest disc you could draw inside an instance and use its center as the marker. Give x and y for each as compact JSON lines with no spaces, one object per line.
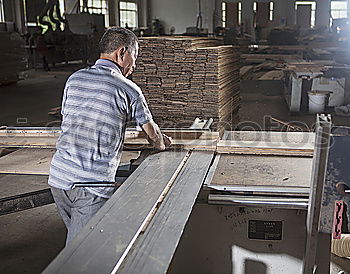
{"x":110,"y":234}
{"x":187,"y":139}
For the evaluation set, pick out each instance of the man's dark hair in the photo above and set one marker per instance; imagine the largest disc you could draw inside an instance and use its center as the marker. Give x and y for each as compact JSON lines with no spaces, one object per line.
{"x":116,"y":37}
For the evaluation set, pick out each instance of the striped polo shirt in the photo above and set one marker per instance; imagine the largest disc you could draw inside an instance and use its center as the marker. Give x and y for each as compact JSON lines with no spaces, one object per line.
{"x":97,"y":103}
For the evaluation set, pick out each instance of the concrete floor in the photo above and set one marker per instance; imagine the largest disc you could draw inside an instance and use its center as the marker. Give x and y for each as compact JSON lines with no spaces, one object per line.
{"x":31,"y":239}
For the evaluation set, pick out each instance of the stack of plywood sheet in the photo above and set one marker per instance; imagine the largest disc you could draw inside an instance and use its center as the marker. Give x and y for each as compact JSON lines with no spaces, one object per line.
{"x":184,"y":78}
{"x":12,"y":56}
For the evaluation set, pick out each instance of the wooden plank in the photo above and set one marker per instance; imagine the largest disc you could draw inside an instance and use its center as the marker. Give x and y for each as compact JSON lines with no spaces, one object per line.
{"x":133,"y":139}
{"x":33,"y":161}
{"x":27,"y":161}
{"x":129,"y":133}
{"x":265,"y":148}
{"x":227,"y":146}
{"x":154,"y":250}
{"x":272,"y":136}
{"x":38,"y":142}
{"x":107,"y":237}
{"x":248,"y":170}
{"x":32,"y":142}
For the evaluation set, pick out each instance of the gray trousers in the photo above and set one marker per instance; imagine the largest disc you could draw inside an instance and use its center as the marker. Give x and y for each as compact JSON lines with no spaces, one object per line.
{"x":76,"y":207}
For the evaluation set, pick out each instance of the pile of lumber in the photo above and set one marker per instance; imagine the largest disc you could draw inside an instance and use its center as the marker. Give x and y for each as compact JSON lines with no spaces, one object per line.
{"x":270,"y":70}
{"x":12,"y":56}
{"x":184,"y":78}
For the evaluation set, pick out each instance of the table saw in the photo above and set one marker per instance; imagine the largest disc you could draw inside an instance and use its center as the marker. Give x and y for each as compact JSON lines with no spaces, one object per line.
{"x":240,"y":204}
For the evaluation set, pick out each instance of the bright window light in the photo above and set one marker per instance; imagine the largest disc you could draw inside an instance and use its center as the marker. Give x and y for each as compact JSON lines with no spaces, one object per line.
{"x":271,"y":11}
{"x":339,"y":9}
{"x":239,"y":13}
{"x":2,"y":15}
{"x":97,"y":7}
{"x":128,"y":14}
{"x":223,"y":14}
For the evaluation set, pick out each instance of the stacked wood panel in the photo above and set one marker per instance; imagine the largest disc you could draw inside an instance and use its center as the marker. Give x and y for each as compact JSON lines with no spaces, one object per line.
{"x":185,"y":78}
{"x":12,"y":56}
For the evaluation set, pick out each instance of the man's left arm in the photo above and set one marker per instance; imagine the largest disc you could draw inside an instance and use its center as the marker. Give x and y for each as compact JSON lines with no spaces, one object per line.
{"x":143,"y":117}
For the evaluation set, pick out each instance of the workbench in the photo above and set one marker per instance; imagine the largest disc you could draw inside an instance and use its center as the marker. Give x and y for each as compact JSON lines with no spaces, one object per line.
{"x":238,"y":204}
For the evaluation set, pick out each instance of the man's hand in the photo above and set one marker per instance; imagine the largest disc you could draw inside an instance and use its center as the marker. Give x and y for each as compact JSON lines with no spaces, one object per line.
{"x":155,"y":137}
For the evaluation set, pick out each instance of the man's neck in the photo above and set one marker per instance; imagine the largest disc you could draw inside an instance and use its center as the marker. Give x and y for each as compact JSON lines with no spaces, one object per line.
{"x":111,"y":60}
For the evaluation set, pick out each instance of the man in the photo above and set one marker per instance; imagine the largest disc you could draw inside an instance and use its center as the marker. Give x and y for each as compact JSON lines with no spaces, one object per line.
{"x":97,"y":103}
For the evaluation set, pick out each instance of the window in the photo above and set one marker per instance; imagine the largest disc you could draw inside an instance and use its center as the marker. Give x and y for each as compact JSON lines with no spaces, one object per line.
{"x":33,"y":21}
{"x":128,"y":14}
{"x":313,"y":9}
{"x":239,"y":13}
{"x":339,"y":9}
{"x":223,"y":14}
{"x":271,"y":11}
{"x":62,"y":7}
{"x":97,"y":7}
{"x":28,"y":22}
{"x":2,"y":15}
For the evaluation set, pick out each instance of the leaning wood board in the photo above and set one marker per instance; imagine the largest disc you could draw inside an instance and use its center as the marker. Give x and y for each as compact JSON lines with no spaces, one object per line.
{"x":107,"y":237}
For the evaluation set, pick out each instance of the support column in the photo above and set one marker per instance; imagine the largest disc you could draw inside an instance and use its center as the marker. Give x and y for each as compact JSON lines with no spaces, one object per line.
{"x":71,"y":6}
{"x":248,"y":16}
{"x":143,"y":13}
{"x":217,"y":16}
{"x":18,"y":15}
{"x":280,"y":13}
{"x":323,"y":8}
{"x":113,"y":15}
{"x":8,"y":10}
{"x":290,"y":15}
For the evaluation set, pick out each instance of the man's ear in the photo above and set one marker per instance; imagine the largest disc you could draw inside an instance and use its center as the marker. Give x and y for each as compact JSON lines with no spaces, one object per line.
{"x":122,"y":52}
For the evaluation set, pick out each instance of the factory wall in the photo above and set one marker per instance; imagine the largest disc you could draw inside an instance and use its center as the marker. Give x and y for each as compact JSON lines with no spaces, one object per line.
{"x":181,"y":13}
{"x":14,"y":12}
{"x":284,"y":11}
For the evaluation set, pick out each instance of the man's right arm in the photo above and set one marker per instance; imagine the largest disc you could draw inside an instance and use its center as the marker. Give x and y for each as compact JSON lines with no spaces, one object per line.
{"x":155,"y":136}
